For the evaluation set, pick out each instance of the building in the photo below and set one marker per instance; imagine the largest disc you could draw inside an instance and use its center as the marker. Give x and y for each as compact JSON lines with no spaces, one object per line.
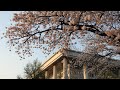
{"x":59,"y":67}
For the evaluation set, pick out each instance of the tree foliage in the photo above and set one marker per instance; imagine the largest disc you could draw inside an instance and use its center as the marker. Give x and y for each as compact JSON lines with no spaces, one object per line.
{"x":49,"y":29}
{"x":19,"y":77}
{"x":32,"y":71}
{"x":98,"y":67}
{"x":109,"y":75}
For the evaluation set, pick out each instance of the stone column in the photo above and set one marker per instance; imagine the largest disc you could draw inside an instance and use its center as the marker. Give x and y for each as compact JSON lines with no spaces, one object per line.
{"x":46,"y":74}
{"x":65,"y":76}
{"x":68,"y":71}
{"x":85,"y":74}
{"x":54,"y":72}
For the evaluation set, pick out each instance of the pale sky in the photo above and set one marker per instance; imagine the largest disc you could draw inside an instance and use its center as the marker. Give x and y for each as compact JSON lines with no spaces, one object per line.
{"x":10,"y":63}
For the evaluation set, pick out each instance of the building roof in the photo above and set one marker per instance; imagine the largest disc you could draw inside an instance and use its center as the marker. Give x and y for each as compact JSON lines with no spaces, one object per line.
{"x":62,"y":53}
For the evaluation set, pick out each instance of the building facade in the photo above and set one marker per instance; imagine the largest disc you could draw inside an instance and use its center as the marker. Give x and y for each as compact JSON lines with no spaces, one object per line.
{"x":59,"y":67}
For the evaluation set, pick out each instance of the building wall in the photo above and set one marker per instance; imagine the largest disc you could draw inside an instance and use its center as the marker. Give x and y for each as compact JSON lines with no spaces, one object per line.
{"x":72,"y":73}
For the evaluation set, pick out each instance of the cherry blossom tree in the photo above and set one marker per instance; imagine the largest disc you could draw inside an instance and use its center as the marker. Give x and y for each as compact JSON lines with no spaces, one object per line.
{"x":47,"y":30}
